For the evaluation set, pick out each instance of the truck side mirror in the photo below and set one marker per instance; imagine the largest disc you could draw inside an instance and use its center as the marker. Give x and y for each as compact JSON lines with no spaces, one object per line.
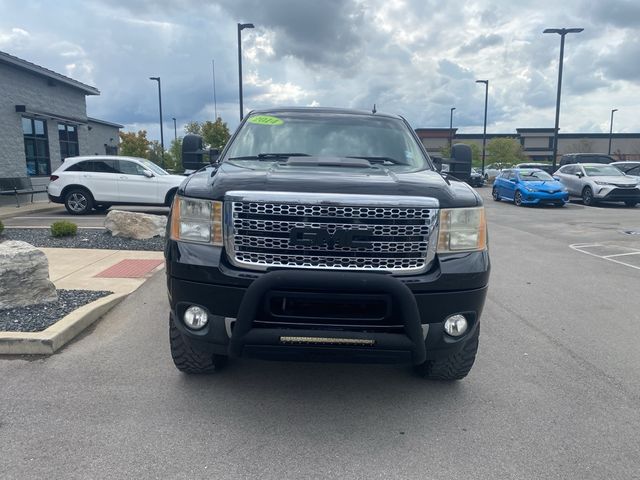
{"x":460,"y":165}
{"x":214,"y":154}
{"x":192,"y":152}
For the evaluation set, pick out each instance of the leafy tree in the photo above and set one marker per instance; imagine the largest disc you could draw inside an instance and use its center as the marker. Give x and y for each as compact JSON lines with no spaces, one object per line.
{"x":175,"y":151}
{"x":505,"y":150}
{"x":134,"y":144}
{"x":215,"y":134}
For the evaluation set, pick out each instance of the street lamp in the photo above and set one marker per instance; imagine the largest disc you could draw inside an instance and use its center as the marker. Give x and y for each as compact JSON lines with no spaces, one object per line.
{"x":451,"y":129}
{"x":484,"y":133}
{"x":157,"y":79}
{"x":562,"y":32}
{"x":175,"y":130}
{"x":611,"y":130}
{"x":241,"y":26}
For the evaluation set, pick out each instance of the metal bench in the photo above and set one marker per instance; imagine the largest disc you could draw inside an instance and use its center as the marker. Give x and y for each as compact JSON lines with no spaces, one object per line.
{"x":19,"y":185}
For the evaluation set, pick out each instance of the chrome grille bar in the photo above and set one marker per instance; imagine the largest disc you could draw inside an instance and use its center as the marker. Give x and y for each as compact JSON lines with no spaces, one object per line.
{"x":330,"y":231}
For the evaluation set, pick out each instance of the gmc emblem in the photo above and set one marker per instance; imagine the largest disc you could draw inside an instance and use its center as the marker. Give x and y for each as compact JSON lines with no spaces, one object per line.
{"x":318,"y":237}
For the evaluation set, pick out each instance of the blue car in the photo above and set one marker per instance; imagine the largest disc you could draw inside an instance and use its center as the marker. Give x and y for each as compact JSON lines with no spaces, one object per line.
{"x":529,"y":186}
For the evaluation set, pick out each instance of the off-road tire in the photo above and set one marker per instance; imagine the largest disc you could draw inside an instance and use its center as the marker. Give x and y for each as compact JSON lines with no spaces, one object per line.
{"x":78,"y":201}
{"x":495,"y":195}
{"x":587,"y":197}
{"x":191,"y":361}
{"x":453,"y":367}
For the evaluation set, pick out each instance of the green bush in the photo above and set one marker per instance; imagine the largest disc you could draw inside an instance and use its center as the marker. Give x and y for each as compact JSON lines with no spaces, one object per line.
{"x":1,"y":227}
{"x":63,"y":229}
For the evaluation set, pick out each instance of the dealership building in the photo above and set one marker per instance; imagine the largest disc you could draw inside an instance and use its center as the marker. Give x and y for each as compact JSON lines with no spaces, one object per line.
{"x":43,"y":120}
{"x":537,"y":143}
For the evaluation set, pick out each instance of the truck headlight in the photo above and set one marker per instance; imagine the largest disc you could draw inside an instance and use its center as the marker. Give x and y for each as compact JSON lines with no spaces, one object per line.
{"x":195,"y":220}
{"x":462,"y":230}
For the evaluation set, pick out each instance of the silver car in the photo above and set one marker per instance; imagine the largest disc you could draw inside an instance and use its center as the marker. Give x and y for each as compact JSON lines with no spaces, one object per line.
{"x":595,"y":182}
{"x":630,"y":168}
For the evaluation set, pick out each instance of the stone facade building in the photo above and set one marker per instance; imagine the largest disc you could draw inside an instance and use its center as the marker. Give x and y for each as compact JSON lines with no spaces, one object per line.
{"x":43,"y":119}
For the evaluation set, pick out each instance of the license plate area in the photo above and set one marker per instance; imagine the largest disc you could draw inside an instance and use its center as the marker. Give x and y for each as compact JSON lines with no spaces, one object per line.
{"x":314,"y":307}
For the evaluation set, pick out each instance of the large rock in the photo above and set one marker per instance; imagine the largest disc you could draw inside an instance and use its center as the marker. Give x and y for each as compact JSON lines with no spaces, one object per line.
{"x":24,"y":276}
{"x":140,"y":226}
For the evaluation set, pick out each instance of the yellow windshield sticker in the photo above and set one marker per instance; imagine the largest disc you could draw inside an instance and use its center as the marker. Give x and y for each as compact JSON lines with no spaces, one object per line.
{"x":265,"y":120}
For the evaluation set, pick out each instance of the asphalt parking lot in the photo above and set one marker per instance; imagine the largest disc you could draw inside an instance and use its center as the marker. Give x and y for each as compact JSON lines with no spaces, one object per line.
{"x":554,"y":392}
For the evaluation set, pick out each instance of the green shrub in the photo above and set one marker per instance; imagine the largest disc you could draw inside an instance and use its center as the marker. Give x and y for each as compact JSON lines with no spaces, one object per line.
{"x":63,"y":229}
{"x":1,"y":227}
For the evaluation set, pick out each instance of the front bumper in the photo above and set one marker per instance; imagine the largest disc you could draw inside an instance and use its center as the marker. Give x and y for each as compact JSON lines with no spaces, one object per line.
{"x":615,"y":194}
{"x":537,"y":198}
{"x":244,"y":320}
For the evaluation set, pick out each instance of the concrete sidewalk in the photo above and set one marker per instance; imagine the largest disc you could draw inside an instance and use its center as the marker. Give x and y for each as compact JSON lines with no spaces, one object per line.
{"x":118,"y":271}
{"x":9,"y":211}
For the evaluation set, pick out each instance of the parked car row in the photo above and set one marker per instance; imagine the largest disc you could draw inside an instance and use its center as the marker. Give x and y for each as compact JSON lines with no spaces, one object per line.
{"x":592,"y":182}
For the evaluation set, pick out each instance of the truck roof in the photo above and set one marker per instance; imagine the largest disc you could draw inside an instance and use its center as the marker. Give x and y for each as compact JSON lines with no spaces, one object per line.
{"x":343,"y":111}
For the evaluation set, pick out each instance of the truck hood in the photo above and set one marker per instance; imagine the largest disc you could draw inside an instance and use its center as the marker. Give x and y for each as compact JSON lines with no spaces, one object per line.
{"x":213,"y":183}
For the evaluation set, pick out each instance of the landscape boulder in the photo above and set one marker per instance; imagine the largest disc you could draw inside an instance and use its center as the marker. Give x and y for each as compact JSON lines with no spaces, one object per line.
{"x":139,"y":226}
{"x":24,"y":276}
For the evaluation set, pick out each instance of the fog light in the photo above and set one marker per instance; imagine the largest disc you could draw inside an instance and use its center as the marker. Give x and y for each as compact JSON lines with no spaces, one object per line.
{"x":195,"y":317}
{"x":456,"y":325}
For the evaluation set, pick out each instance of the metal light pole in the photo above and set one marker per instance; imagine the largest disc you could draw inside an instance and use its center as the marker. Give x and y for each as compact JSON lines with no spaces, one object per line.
{"x":175,"y":130}
{"x":611,"y":130}
{"x":562,"y":32}
{"x":215,"y":103}
{"x":241,"y":26}
{"x":451,"y":129}
{"x":160,"y":103}
{"x":484,"y":133}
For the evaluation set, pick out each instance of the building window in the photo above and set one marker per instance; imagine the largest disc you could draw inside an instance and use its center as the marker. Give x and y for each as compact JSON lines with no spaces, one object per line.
{"x":68,"y":135}
{"x":36,"y":146}
{"x":110,"y":149}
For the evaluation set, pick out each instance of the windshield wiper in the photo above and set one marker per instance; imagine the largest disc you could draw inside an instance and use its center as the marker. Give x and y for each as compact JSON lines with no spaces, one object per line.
{"x":269,"y":156}
{"x":378,"y":159}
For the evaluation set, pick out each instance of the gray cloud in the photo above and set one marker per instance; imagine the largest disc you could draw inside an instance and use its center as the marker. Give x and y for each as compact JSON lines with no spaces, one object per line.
{"x":479,"y":43}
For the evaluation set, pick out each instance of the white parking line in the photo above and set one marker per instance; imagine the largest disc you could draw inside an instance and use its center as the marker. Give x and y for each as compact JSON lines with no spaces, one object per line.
{"x":579,"y":248}
{"x":622,"y":254}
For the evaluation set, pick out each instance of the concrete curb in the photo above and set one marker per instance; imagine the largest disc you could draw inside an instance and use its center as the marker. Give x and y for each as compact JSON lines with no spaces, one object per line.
{"x":26,"y":211}
{"x":53,"y":338}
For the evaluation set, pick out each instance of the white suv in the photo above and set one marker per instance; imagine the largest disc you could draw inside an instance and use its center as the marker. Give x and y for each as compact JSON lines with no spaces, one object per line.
{"x":84,"y":183}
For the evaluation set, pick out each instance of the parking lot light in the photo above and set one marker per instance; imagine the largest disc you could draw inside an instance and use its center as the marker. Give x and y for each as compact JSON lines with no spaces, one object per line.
{"x":484,"y":132}
{"x":611,"y":130}
{"x":241,"y":26}
{"x":562,"y":32}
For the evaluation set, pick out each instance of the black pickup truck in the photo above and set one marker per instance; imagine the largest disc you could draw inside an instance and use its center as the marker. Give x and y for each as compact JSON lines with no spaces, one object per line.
{"x":326,"y":235}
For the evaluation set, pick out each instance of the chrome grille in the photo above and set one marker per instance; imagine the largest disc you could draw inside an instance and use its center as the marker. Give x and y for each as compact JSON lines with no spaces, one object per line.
{"x":396,"y":233}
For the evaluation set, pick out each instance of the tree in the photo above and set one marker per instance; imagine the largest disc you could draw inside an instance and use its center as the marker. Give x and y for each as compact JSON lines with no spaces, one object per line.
{"x":176,"y":154}
{"x":505,"y":150}
{"x":134,"y":144}
{"x":215,"y":134}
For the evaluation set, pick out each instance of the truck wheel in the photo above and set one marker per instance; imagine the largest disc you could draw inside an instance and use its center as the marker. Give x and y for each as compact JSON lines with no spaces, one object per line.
{"x":453,"y":367}
{"x":188,"y":360}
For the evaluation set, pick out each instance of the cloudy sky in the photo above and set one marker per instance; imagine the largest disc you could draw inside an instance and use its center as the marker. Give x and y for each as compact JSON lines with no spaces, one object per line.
{"x":417,"y":58}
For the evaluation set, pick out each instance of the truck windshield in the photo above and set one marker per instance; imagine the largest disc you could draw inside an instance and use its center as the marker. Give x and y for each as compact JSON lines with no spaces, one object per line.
{"x":377,"y":139}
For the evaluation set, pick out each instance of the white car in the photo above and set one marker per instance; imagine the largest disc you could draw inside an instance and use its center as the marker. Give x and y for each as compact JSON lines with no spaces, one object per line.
{"x":630,"y":168}
{"x":595,"y":182}
{"x":84,"y":183}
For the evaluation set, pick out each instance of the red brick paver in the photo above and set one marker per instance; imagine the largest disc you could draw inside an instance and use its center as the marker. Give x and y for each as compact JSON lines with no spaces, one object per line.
{"x":131,"y":268}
